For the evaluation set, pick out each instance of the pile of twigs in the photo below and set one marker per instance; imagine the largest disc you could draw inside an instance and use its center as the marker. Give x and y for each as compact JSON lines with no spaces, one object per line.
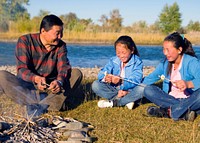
{"x":44,"y":130}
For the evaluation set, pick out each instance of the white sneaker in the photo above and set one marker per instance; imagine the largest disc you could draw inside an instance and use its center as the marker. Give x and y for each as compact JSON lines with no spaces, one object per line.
{"x":105,"y":104}
{"x":130,"y":105}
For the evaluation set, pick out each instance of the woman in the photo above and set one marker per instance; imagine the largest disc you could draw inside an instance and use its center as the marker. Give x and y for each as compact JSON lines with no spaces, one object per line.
{"x":179,"y":97}
{"x":118,"y":79}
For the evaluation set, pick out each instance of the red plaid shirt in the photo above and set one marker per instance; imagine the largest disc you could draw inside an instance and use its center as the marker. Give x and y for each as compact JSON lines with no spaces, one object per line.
{"x":33,"y":59}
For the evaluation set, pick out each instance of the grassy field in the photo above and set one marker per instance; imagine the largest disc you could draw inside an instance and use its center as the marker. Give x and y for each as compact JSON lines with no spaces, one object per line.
{"x":121,"y":125}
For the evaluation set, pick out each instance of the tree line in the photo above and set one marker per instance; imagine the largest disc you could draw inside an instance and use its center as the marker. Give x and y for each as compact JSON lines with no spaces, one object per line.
{"x":15,"y":18}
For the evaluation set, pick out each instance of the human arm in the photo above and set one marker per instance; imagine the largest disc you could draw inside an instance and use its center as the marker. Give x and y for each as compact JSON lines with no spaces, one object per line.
{"x":190,"y":73}
{"x":156,"y":74}
{"x":63,"y":66}
{"x":63,"y":69}
{"x":106,"y":72}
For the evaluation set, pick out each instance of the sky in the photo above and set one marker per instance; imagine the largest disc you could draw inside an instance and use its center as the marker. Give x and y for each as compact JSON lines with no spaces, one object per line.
{"x":131,"y":10}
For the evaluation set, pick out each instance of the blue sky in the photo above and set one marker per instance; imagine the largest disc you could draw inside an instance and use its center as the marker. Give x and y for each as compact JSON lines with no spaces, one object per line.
{"x":130,"y":10}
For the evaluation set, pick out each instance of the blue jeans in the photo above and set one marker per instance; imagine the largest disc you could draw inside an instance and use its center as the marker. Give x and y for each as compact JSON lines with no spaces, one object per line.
{"x":109,"y":92}
{"x":178,"y":106}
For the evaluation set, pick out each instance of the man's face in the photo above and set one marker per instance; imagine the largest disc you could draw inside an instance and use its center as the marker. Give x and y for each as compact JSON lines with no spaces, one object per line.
{"x":53,"y":36}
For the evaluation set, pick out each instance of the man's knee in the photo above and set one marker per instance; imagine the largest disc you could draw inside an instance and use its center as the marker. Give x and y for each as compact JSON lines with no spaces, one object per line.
{"x":77,"y":73}
{"x":4,"y":73}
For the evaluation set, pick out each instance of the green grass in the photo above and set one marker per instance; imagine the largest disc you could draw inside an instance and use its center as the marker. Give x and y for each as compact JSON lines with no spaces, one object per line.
{"x":121,"y":125}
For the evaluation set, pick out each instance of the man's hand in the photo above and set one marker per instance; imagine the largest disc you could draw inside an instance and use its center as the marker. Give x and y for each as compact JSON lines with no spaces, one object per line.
{"x":55,"y":87}
{"x":41,"y":82}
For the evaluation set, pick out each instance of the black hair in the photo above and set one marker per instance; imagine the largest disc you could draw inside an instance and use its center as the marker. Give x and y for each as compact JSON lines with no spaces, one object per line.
{"x":180,"y":41}
{"x":128,"y":41}
{"x":49,"y":21}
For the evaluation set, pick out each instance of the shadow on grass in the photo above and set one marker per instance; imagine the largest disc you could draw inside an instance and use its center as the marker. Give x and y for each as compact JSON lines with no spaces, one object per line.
{"x":83,"y":94}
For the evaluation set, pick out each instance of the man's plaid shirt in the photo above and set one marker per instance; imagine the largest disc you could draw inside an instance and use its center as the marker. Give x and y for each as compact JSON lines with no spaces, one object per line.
{"x":33,"y":59}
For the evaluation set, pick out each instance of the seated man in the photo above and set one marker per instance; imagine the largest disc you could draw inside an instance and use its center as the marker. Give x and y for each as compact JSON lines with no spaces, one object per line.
{"x":44,"y":75}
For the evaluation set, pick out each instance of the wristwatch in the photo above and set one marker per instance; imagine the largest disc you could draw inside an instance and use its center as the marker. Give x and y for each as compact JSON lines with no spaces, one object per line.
{"x":60,"y":82}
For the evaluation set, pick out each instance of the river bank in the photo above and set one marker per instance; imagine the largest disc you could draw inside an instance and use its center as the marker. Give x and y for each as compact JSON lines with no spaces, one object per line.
{"x":88,"y":73}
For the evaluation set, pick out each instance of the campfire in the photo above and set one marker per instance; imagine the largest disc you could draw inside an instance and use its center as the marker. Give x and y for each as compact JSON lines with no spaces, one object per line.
{"x":51,"y":129}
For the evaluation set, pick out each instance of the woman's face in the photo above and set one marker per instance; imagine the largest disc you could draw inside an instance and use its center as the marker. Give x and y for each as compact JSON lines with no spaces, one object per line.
{"x":123,"y":52}
{"x":172,"y":54}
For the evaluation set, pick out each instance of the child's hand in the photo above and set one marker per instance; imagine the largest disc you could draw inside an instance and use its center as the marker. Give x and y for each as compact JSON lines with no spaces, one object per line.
{"x":180,"y":84}
{"x":108,"y":78}
{"x":116,"y":79}
{"x":122,"y":93}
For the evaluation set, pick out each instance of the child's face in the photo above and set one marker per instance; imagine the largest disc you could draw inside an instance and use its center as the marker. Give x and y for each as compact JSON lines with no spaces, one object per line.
{"x":123,"y":52}
{"x":172,"y":54}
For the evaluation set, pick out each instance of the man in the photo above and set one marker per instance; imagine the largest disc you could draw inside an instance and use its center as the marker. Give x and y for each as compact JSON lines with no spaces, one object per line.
{"x":44,"y":75}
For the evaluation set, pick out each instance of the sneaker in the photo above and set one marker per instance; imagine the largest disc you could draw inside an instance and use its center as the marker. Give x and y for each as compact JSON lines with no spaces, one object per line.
{"x":190,"y":116}
{"x":154,"y":111}
{"x":105,"y":104}
{"x":130,"y":105}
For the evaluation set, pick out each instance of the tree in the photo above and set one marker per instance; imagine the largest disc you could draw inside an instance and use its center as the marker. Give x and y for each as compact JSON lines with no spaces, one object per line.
{"x":70,"y":20}
{"x":193,"y":26}
{"x":115,"y":21}
{"x":140,"y":26}
{"x":170,"y":19}
{"x":104,"y":21}
{"x":13,"y":10}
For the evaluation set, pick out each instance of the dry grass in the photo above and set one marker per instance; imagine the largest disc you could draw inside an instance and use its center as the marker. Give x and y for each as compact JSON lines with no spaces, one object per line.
{"x":108,"y":38}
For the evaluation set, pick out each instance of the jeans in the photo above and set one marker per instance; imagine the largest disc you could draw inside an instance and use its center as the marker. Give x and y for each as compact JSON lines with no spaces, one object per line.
{"x":109,"y":92}
{"x":179,"y":106}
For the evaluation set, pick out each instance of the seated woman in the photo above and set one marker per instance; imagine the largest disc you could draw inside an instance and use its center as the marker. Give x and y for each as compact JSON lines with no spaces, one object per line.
{"x":118,"y":80}
{"x":179,"y":97}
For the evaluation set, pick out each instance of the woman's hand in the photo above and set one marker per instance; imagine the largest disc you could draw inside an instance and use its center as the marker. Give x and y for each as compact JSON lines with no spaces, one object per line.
{"x":109,"y":78}
{"x":116,"y":79}
{"x":122,"y":93}
{"x":181,"y":84}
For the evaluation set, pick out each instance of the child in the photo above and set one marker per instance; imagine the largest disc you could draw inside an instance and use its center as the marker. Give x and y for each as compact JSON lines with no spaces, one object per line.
{"x":180,"y":71}
{"x":118,"y":80}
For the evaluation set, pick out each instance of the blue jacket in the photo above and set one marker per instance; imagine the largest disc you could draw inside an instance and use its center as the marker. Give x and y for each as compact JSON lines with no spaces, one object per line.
{"x":190,"y":71}
{"x":133,"y":71}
